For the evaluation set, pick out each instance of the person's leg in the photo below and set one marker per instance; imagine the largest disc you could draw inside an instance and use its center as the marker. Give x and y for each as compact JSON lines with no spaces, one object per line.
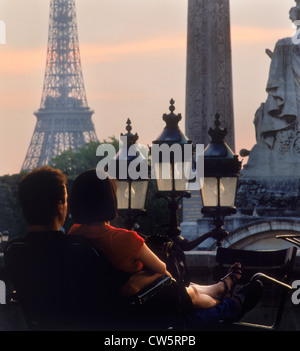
{"x":200,"y":300}
{"x":228,"y":310}
{"x":207,"y":296}
{"x":209,"y":318}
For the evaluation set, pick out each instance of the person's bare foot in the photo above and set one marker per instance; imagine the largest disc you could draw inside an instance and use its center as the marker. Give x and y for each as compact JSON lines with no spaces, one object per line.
{"x":227,"y":283}
{"x":224,"y":288}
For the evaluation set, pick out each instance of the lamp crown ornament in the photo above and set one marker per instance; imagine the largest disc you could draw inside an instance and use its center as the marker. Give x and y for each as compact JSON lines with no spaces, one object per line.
{"x":218,"y":155}
{"x":217,"y":134}
{"x":131,"y":138}
{"x":171,"y":133}
{"x":172,"y":119}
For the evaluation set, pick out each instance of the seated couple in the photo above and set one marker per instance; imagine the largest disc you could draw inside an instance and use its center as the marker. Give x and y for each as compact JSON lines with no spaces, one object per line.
{"x":93,"y":204}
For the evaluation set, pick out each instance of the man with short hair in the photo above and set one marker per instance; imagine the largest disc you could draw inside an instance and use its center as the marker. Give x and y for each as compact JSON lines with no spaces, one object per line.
{"x":43,"y":198}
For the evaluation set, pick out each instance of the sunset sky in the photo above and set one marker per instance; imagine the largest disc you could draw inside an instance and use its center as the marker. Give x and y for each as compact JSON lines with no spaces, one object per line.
{"x":133,"y":55}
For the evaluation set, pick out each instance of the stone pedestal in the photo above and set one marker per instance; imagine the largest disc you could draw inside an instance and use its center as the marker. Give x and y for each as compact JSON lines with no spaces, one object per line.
{"x":266,"y":207}
{"x":269,"y":197}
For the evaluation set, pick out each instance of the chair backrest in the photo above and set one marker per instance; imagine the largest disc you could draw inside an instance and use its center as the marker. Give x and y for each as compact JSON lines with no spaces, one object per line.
{"x":279,"y":263}
{"x":66,"y":286}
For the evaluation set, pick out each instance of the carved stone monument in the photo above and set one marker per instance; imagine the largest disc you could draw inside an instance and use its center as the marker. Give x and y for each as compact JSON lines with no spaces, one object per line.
{"x":277,"y":148}
{"x":270,"y":179}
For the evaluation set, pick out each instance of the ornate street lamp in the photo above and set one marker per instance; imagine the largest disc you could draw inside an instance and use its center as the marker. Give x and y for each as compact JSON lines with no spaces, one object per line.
{"x":221,"y":172}
{"x":132,"y":177}
{"x":171,"y":170}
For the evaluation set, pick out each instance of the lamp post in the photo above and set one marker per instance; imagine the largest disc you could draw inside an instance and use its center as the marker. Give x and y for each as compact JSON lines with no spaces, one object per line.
{"x":168,"y":163}
{"x":132,"y":181}
{"x":221,"y":172}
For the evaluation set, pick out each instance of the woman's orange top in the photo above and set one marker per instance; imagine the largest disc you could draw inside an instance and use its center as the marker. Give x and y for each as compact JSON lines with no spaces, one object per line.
{"x":121,"y":247}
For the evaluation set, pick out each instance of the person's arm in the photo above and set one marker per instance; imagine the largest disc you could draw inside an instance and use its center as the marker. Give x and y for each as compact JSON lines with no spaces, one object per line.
{"x":150,"y":260}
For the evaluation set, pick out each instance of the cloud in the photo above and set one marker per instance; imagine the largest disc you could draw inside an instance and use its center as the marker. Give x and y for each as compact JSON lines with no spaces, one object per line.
{"x":95,"y":53}
{"x":25,"y":61}
{"x":247,"y":34}
{"x":18,"y":98}
{"x":21,"y":61}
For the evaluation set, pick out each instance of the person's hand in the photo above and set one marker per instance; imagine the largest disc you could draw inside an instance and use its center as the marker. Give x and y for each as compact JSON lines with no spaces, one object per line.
{"x":168,"y":273}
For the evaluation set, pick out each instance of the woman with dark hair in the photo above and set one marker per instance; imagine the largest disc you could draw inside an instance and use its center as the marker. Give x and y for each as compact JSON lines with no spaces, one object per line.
{"x":93,"y":204}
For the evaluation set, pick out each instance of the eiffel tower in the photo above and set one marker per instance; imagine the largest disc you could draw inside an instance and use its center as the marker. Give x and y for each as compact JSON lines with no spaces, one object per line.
{"x":64,"y":118}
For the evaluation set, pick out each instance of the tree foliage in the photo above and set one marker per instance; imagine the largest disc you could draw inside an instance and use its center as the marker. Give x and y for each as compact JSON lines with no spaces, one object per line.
{"x":73,"y":162}
{"x":11,"y":218}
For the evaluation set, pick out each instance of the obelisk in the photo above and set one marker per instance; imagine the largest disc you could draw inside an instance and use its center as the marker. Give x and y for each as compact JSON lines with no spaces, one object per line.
{"x":208,"y":72}
{"x":208,"y":90}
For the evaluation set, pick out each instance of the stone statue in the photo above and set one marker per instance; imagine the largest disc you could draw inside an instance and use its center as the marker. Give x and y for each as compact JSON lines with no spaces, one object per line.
{"x":277,"y":149}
